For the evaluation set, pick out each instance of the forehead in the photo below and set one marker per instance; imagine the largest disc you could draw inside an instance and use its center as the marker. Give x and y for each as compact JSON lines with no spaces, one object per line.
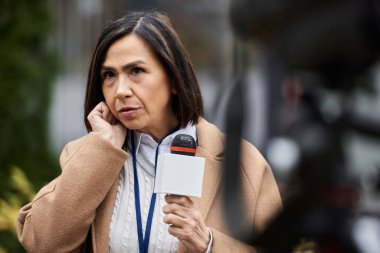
{"x":130,"y":46}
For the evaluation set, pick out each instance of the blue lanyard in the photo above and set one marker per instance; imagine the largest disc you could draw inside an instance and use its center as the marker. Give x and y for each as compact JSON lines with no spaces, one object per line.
{"x":144,"y":241}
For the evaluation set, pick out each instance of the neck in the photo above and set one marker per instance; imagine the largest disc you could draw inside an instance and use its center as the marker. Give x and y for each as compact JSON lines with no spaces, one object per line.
{"x":159,"y":133}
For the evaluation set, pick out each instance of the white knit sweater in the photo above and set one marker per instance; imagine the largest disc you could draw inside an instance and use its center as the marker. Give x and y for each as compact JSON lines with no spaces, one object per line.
{"x":123,"y":230}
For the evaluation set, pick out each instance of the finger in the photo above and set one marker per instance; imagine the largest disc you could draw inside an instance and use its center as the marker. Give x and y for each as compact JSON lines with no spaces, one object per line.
{"x":186,"y":223}
{"x":95,"y":111}
{"x":176,"y":209}
{"x":193,"y":235}
{"x":108,"y":115}
{"x":110,"y":118}
{"x":178,"y":232}
{"x":105,"y":111}
{"x":97,"y":117}
{"x":98,"y":110}
{"x":183,"y":234}
{"x":173,"y":219}
{"x":101,"y":107}
{"x":180,"y":200}
{"x":191,"y":239}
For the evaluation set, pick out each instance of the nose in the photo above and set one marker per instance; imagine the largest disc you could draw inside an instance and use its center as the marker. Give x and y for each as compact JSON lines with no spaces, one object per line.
{"x":123,"y":88}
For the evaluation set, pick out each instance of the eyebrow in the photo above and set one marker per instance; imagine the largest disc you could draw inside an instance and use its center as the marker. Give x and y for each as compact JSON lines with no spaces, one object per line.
{"x":126,"y":66}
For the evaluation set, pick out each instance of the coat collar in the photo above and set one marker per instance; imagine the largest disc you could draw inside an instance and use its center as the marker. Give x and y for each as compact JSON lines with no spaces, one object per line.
{"x":210,"y":147}
{"x":210,"y":141}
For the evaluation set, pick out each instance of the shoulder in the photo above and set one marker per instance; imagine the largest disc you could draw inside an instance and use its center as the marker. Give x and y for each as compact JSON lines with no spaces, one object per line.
{"x":250,"y":154}
{"x":253,"y":163}
{"x":210,"y":138}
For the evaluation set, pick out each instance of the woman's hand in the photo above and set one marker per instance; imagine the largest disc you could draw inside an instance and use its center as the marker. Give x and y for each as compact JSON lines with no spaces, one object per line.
{"x":106,"y":125}
{"x":186,"y":223}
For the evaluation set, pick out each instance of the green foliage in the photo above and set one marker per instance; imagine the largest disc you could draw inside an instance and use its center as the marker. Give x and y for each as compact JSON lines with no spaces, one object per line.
{"x":28,"y":67}
{"x":20,"y":192}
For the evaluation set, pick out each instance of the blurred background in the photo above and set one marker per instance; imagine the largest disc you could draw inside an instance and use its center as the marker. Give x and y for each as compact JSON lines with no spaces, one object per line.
{"x":45,"y":49}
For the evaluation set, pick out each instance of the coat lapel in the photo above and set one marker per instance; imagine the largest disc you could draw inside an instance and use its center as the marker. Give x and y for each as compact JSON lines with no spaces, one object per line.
{"x":211,"y":147}
{"x":211,"y":181}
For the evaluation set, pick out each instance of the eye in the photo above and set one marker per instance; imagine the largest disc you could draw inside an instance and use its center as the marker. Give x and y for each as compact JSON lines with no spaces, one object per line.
{"x":107,"y":74}
{"x":136,"y":70}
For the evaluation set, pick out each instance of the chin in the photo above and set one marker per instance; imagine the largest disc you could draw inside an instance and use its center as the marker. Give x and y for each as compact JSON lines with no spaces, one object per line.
{"x":132,"y":126}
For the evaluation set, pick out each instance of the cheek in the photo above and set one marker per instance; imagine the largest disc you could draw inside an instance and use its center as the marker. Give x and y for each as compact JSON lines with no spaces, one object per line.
{"x":109,"y":99}
{"x":158,"y":100}
{"x":107,"y":93}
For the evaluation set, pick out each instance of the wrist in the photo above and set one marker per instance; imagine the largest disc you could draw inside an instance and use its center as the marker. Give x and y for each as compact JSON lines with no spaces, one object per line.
{"x":117,"y":142}
{"x":210,"y":242}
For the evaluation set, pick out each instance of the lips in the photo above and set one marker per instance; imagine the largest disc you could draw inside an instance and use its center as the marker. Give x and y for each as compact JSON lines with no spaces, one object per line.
{"x":128,"y":111}
{"x":128,"y":108}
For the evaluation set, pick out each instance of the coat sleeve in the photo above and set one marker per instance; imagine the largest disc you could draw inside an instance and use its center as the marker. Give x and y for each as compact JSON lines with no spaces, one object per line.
{"x":225,"y":244}
{"x":59,"y":217}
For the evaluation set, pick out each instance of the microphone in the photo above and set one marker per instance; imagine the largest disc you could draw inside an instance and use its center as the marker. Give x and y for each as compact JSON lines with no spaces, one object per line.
{"x":180,"y":172}
{"x":183,"y":144}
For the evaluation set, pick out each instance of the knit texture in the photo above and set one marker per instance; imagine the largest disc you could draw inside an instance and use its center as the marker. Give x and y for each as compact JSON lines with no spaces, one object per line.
{"x":123,"y":231}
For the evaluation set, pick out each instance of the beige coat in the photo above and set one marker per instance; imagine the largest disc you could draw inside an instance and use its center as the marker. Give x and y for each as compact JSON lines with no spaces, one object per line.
{"x":73,"y":212}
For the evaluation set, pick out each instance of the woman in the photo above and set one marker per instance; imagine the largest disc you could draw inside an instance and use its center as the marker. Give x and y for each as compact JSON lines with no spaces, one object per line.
{"x":141,"y":92}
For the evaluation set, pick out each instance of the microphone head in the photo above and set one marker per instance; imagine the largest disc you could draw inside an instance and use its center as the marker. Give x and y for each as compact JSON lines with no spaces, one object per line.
{"x":183,"y":144}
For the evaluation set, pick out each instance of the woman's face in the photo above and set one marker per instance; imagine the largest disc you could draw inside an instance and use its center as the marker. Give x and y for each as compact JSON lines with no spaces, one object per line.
{"x":136,"y":87}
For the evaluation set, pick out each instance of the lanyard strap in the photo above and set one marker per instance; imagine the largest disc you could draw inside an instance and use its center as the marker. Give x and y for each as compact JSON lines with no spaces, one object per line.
{"x":144,"y":240}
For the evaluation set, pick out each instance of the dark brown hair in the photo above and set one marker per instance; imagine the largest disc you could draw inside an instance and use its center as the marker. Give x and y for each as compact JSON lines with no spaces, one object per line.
{"x":157,"y":31}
